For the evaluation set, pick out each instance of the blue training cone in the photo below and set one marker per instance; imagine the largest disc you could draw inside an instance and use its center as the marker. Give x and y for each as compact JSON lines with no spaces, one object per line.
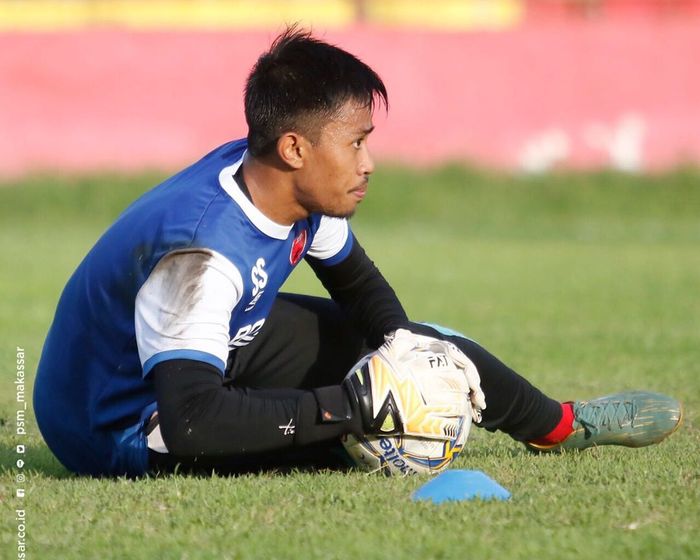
{"x":457,"y":485}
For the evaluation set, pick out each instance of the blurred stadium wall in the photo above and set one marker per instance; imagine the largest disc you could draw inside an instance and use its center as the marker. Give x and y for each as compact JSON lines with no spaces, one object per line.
{"x":530,"y":85}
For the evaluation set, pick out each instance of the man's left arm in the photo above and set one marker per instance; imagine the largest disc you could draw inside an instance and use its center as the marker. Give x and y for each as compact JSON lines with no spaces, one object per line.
{"x":357,"y":285}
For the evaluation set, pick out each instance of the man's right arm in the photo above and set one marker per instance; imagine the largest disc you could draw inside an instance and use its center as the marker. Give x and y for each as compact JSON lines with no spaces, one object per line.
{"x":182,"y":316}
{"x":200,"y":415}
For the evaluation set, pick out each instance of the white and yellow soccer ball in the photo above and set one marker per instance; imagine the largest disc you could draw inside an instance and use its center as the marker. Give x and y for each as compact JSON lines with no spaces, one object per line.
{"x":419,"y":395}
{"x":406,"y":455}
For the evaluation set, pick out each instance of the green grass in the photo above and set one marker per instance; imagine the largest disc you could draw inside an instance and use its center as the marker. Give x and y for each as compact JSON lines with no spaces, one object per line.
{"x":585,"y":283}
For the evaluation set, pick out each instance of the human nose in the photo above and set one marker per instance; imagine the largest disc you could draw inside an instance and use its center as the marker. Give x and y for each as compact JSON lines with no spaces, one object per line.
{"x":366,"y":164}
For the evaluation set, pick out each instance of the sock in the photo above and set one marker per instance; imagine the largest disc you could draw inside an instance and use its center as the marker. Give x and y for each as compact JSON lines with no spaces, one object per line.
{"x":562,"y":430}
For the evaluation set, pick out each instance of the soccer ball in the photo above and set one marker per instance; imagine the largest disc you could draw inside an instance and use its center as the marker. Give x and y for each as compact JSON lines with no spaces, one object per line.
{"x":404,"y":455}
{"x":416,"y":368}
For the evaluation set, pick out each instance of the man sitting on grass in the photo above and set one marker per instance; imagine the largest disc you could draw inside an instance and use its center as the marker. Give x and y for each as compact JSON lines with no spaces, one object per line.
{"x":172,"y":344}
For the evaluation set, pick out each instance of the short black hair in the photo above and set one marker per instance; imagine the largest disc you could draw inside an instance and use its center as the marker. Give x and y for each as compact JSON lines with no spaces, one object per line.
{"x":300,"y":83}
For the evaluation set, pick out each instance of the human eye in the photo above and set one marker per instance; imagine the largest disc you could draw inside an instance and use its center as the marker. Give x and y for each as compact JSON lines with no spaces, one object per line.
{"x":357,"y":144}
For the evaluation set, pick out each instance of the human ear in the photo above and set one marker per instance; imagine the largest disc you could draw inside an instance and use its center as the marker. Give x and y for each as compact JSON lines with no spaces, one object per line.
{"x":291,"y":149}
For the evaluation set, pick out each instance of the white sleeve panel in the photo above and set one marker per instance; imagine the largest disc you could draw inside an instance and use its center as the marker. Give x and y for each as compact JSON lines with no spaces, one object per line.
{"x":184,"y":307}
{"x":330,"y":238}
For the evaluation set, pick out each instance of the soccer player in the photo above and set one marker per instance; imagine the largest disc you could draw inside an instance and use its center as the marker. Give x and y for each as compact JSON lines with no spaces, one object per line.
{"x":172,"y":343}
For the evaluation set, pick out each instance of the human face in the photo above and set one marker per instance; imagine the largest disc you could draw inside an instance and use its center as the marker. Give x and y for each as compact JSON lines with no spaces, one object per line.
{"x":336,"y":171}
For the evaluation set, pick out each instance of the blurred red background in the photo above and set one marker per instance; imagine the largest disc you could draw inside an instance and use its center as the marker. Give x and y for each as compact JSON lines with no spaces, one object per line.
{"x":574,"y":83}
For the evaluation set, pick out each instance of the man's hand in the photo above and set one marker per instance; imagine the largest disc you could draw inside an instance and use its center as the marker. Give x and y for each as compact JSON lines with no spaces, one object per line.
{"x":460,"y":360}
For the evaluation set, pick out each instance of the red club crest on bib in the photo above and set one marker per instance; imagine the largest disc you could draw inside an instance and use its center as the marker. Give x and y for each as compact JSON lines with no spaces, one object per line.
{"x":297,"y":248}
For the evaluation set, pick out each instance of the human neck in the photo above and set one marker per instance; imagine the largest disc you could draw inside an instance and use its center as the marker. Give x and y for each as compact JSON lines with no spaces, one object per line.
{"x":271,"y":190}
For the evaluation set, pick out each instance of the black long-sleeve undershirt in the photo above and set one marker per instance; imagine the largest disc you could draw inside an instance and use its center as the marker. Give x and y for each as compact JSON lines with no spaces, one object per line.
{"x":363,"y":293}
{"x":200,"y":415}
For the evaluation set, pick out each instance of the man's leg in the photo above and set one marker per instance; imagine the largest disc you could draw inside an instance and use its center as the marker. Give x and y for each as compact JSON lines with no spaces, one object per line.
{"x":307,"y":342}
{"x":513,"y":404}
{"x":629,"y":418}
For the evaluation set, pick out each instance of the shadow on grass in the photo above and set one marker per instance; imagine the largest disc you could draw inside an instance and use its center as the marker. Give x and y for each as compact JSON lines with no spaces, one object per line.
{"x":38,"y":459}
{"x":308,"y":460}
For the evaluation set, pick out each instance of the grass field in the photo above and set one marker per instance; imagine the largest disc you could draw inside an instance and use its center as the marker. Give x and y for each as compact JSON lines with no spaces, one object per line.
{"x":586,"y":284}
